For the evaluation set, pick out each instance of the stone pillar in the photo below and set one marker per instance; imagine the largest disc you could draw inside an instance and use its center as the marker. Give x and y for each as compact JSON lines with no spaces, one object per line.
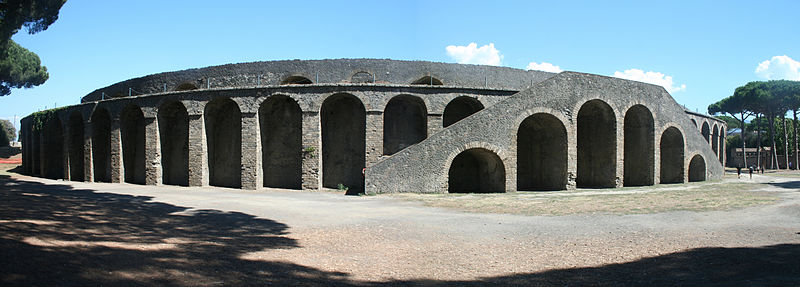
{"x":88,"y":170}
{"x":312,"y":150}
{"x":152,"y":154}
{"x":434,"y":123}
{"x":252,"y":173}
{"x":117,"y":167}
{"x":198,"y":160}
{"x":373,"y":137}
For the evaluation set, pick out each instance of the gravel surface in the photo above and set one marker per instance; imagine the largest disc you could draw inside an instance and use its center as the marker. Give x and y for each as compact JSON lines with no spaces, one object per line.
{"x":66,"y":233}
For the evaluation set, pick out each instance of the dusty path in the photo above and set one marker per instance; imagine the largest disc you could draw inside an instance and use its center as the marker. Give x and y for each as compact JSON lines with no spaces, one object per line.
{"x":65,"y":233}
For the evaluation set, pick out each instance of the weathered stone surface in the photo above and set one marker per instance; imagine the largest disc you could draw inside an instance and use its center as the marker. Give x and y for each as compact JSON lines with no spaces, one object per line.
{"x":239,"y":126}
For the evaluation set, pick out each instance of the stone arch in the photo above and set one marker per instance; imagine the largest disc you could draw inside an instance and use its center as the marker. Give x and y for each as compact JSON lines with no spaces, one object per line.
{"x":714,"y":140}
{"x":186,"y":86}
{"x":460,"y":108}
{"x":296,"y":80}
{"x":173,"y":128}
{"x":639,"y":149}
{"x":694,"y":122}
{"x":132,"y":132}
{"x":101,"y":145}
{"x":705,"y":131}
{"x":281,"y":124}
{"x":75,"y":148}
{"x":697,"y":168}
{"x":671,"y":151}
{"x":541,"y":153}
{"x":223,"y":124}
{"x":476,"y":170}
{"x":428,"y":80}
{"x":343,"y":119}
{"x":53,"y":149}
{"x":405,"y":122}
{"x":362,"y":77}
{"x":597,"y":145}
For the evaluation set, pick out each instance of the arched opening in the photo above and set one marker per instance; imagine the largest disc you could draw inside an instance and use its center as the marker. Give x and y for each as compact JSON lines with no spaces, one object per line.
{"x":715,"y":139}
{"x":541,"y":153}
{"x":281,"y":122}
{"x":53,"y":149}
{"x":460,"y":108}
{"x":405,"y":122}
{"x":362,"y":77}
{"x":186,"y":86}
{"x":721,"y":145}
{"x":597,"y":145}
{"x":224,"y":141}
{"x":296,"y":80}
{"x":694,"y":122}
{"x":476,"y":170}
{"x":671,"y":147}
{"x":132,"y":132}
{"x":76,"y":146}
{"x":697,"y":169}
{"x":427,"y":80}
{"x":101,"y":145}
{"x":173,"y":128}
{"x":705,"y":131}
{"x":343,"y":142}
{"x":639,"y":147}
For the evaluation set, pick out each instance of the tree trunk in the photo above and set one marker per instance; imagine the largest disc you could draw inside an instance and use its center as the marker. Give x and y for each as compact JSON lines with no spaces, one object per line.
{"x":774,"y":152}
{"x":758,"y":140}
{"x":742,"y":132}
{"x":794,"y":134}
{"x":785,"y":142}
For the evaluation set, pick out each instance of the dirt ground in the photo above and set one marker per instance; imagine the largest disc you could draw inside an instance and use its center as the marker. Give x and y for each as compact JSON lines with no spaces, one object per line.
{"x":730,"y":232}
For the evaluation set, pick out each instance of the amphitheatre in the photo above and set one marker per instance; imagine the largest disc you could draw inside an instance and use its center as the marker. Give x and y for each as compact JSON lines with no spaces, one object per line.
{"x":375,"y":126}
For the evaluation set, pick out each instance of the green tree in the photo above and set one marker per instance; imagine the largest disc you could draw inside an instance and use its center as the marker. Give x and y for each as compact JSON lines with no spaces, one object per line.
{"x":7,"y":132}
{"x":737,"y":106}
{"x":20,"y":68}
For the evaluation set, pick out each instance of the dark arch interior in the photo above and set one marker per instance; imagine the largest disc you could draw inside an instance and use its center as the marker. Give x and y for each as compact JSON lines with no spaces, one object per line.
{"x":343,"y":142}
{"x":714,"y":140}
{"x":405,"y":122}
{"x":596,"y":145}
{"x":541,"y":153}
{"x":224,"y":141}
{"x":173,"y":128}
{"x":296,"y":80}
{"x":694,"y":122}
{"x":639,"y":147}
{"x":476,"y":170}
{"x":132,"y":132}
{"x":53,"y":149}
{"x":460,"y":108}
{"x":721,"y":153}
{"x":36,"y":152}
{"x":697,"y":169}
{"x":427,"y":80}
{"x":76,"y":134}
{"x":705,"y":131}
{"x":101,"y":145}
{"x":281,"y":122}
{"x":671,"y":156}
{"x":186,"y":87}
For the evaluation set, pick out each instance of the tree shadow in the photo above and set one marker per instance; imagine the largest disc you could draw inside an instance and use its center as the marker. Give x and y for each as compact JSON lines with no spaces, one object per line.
{"x":787,"y":184}
{"x":54,"y":235}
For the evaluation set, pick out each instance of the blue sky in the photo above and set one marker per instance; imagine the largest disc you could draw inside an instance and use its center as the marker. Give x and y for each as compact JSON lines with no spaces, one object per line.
{"x":706,"y":48}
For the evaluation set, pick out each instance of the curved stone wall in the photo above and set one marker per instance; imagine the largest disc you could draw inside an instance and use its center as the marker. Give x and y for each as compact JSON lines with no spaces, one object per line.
{"x":363,"y":132}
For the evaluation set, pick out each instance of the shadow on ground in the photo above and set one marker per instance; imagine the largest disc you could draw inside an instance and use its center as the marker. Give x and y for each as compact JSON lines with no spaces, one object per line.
{"x":56,"y":235}
{"x":787,"y":185}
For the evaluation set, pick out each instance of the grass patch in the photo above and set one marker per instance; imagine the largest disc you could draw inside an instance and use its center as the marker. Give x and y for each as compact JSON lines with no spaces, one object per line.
{"x":629,"y":200}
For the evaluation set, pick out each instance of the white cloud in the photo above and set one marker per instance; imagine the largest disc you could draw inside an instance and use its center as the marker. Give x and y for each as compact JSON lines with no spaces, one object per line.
{"x":472,"y":54}
{"x":779,"y":68}
{"x":651,"y":77}
{"x":544,"y":66}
